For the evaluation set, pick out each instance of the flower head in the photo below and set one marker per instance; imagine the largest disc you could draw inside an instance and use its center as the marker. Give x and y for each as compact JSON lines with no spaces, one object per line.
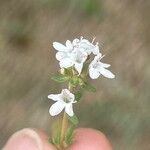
{"x":75,"y":53}
{"x":97,"y":68}
{"x":64,"y":100}
{"x":86,"y":46}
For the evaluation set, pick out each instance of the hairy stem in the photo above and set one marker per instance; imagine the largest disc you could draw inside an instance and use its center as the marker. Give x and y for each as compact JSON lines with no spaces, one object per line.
{"x":63,"y":129}
{"x":64,"y":125}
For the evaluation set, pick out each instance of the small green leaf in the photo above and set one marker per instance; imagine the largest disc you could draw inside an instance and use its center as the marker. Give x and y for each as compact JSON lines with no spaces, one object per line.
{"x":69,"y":135}
{"x":60,"y":78}
{"x":78,"y":95}
{"x":74,"y":120}
{"x":74,"y":81}
{"x":81,"y":82}
{"x":68,"y":71}
{"x":56,"y":139}
{"x":89,"y":87}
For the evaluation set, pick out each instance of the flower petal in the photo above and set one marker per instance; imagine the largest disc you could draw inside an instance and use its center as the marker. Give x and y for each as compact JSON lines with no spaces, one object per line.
{"x":104,"y":65}
{"x":67,"y":93}
{"x":59,"y":46}
{"x":54,"y":97}
{"x":96,"y":50}
{"x":78,"y":67}
{"x":106,"y":73}
{"x":98,"y":57}
{"x":56,"y":108}
{"x":69,"y":109}
{"x":60,"y":55}
{"x":93,"y":73}
{"x":66,"y":63}
{"x":85,"y":41}
{"x":75,"y":42}
{"x":69,"y":45}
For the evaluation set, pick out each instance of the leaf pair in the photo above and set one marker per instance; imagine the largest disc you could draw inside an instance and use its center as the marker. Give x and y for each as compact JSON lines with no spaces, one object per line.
{"x":60,"y":78}
{"x":56,"y":138}
{"x":70,"y":131}
{"x":88,"y":87}
{"x":78,"y":95}
{"x":69,"y":135}
{"x":74,"y":120}
{"x":73,"y":80}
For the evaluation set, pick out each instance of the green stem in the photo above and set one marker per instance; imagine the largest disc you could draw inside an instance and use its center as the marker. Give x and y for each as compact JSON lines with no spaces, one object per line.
{"x":64,"y":126}
{"x":63,"y":129}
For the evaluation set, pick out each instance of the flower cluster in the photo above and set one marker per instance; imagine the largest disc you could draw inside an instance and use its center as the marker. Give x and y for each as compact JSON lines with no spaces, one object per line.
{"x":76,"y":54}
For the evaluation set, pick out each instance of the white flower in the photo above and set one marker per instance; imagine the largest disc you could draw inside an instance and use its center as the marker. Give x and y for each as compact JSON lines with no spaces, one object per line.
{"x":60,"y":47}
{"x":74,"y":53}
{"x":63,"y":54}
{"x":78,"y":58}
{"x":82,"y":44}
{"x":86,"y":46}
{"x":64,"y":100}
{"x":97,"y":68}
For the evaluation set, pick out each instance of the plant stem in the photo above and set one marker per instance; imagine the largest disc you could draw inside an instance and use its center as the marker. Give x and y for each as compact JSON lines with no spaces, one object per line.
{"x":63,"y":129}
{"x":64,"y":126}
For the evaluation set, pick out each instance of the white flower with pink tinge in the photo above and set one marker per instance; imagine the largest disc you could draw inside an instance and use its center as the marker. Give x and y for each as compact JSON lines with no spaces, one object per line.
{"x":64,"y":100}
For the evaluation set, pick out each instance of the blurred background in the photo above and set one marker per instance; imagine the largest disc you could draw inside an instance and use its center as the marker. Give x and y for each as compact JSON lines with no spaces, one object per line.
{"x":120,"y":108}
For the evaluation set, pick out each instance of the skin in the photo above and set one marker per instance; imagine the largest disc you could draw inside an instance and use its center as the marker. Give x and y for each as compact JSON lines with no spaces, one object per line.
{"x":35,"y":139}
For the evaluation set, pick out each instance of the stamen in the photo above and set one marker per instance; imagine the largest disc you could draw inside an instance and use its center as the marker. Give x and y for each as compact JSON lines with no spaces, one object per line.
{"x":93,"y":39}
{"x":81,"y":37}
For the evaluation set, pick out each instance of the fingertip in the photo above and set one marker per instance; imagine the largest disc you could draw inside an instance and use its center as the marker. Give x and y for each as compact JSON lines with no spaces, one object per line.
{"x":28,"y":139}
{"x":45,"y":140}
{"x":90,"y":139}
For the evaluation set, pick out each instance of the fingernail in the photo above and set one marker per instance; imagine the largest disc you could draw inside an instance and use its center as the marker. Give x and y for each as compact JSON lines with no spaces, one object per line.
{"x":26,"y":139}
